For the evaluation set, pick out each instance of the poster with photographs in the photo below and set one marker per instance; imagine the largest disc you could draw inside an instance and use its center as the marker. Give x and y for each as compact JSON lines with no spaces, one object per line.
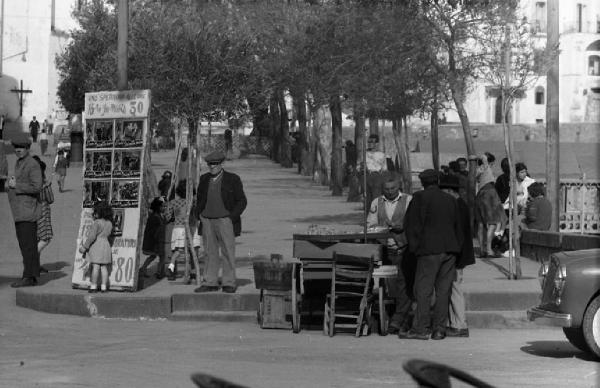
{"x":99,"y":134}
{"x":125,"y":193}
{"x":98,"y":164}
{"x":115,"y":152}
{"x":118,"y":218}
{"x":95,"y":191}
{"x":127,"y":163}
{"x":128,"y":134}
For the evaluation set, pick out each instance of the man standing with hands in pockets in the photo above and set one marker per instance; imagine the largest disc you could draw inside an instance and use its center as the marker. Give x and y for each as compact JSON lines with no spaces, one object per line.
{"x":23,"y":190}
{"x":221,"y":201}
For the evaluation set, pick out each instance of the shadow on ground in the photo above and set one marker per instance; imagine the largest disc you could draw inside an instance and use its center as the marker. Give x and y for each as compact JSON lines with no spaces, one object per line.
{"x":555,"y":349}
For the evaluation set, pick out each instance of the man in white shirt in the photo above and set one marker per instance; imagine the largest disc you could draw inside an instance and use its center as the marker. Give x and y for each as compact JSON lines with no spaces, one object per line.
{"x":388,"y":210}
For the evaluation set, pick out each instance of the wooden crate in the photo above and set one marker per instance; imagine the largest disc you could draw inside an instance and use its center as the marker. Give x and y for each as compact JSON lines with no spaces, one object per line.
{"x":275,"y":310}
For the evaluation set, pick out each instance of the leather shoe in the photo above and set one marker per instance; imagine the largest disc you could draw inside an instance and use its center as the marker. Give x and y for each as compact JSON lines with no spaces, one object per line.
{"x":43,"y":269}
{"x":229,"y":289}
{"x":438,"y":335}
{"x":25,"y":282}
{"x":207,"y":289}
{"x":452,"y":332}
{"x":412,"y":334}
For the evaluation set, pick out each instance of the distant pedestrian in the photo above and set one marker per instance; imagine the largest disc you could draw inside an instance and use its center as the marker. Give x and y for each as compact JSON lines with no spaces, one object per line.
{"x":457,"y":319}
{"x":489,"y":214}
{"x":152,"y":245}
{"x":228,"y":137}
{"x":538,"y":212}
{"x":43,"y":142}
{"x":221,"y":201}
{"x":60,"y":168}
{"x":34,"y":129}
{"x":434,"y":233}
{"x":503,"y":182}
{"x":523,"y":182}
{"x":23,"y":191}
{"x":165,"y":184}
{"x":96,"y":247}
{"x":44,"y":223}
{"x":177,"y":210}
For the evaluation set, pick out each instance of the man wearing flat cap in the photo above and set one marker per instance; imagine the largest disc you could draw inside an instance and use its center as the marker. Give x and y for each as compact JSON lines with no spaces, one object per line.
{"x":23,"y":190}
{"x":431,"y":224}
{"x":221,"y":201}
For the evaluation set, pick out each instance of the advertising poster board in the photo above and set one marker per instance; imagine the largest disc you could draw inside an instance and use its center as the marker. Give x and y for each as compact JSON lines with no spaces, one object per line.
{"x":116,"y":147}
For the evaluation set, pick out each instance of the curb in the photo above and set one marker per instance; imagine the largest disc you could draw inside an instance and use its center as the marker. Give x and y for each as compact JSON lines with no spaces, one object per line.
{"x":485,"y":310}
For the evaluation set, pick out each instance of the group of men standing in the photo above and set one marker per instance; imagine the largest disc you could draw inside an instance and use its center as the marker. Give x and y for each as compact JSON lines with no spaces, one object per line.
{"x":431,"y":244}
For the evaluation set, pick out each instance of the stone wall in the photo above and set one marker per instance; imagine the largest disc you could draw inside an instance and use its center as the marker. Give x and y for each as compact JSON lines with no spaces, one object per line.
{"x":569,"y":132}
{"x":538,"y":245}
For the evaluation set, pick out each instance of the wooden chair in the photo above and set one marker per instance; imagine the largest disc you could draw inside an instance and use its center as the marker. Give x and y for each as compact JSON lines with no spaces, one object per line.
{"x":348,"y":305}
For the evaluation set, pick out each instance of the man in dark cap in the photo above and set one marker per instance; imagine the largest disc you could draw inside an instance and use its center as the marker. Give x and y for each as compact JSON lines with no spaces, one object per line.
{"x":221,"y":201}
{"x":23,"y":190}
{"x":431,"y":224}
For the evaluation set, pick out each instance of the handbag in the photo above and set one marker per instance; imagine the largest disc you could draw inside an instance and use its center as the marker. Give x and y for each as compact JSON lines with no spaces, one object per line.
{"x":46,"y":195}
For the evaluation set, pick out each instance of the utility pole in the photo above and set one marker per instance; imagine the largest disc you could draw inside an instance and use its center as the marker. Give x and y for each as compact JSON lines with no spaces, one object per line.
{"x":552,"y":118}
{"x":123,"y":21}
{"x":2,"y":37}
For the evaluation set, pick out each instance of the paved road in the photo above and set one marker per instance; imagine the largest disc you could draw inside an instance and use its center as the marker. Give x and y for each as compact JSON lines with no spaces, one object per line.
{"x":41,"y":350}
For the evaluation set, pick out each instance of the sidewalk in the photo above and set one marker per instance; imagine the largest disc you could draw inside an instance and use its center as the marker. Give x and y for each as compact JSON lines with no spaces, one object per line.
{"x":280,"y":203}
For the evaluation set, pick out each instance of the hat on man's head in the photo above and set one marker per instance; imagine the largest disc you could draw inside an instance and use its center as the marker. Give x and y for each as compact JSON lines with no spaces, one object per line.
{"x":449,"y":181}
{"x":215,"y":157}
{"x":429,"y":176}
{"x":21,"y":140}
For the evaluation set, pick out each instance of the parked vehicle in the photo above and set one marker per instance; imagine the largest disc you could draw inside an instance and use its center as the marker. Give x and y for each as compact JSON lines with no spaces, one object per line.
{"x":571,"y":297}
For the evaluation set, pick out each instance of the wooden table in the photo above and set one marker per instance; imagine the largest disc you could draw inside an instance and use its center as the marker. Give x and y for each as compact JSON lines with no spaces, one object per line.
{"x":315,"y":252}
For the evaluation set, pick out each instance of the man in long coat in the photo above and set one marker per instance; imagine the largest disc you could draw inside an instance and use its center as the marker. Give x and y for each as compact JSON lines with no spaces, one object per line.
{"x":23,"y":191}
{"x":432,"y":224}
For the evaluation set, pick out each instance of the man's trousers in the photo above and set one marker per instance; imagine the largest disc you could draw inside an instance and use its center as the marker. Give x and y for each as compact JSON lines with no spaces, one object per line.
{"x":27,"y":237}
{"x":217,"y":235}
{"x":434,"y":272}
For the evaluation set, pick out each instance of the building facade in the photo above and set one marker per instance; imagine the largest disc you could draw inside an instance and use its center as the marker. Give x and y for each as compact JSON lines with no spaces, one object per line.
{"x":579,"y":62}
{"x":33,"y":33}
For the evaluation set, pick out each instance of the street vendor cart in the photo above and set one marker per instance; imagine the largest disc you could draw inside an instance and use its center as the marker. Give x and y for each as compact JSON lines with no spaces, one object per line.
{"x":315,"y":253}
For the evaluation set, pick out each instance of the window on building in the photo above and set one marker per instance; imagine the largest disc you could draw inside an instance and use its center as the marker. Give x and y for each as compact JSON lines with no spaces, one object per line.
{"x":539,"y":23}
{"x":539,"y":95}
{"x":594,"y":65}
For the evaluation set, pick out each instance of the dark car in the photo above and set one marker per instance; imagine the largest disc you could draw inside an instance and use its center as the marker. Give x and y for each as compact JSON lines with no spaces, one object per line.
{"x":571,"y":297}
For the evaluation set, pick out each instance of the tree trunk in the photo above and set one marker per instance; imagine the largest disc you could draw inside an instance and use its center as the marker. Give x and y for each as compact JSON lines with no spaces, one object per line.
{"x":285,"y":149}
{"x":303,"y":139}
{"x":354,"y":186}
{"x":261,"y":125}
{"x":435,"y":145}
{"x":337,"y":169}
{"x":275,"y":134}
{"x":471,"y":153}
{"x":401,"y":141}
{"x":323,"y":136}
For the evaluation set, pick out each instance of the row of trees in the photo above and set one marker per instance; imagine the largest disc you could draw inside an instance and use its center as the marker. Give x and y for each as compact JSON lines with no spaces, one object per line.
{"x":378,"y":59}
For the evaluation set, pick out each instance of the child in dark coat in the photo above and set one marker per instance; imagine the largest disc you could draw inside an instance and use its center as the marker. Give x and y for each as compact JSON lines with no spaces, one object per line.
{"x":153,"y":239}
